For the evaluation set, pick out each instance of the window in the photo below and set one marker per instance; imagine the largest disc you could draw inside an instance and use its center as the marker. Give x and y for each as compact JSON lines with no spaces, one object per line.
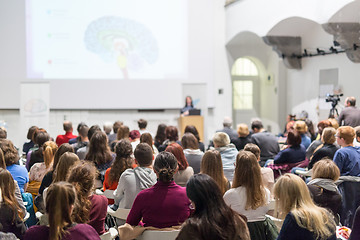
{"x":243,"y":94}
{"x":244,"y":67}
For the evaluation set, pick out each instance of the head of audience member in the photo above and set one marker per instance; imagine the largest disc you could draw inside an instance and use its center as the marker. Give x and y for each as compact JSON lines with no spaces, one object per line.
{"x":65,"y":147}
{"x":82,"y":177}
{"x":357,"y":133}
{"x":251,"y":147}
{"x":350,"y":102}
{"x":134,"y":135}
{"x":123,"y":132}
{"x":49,"y":150}
{"x":293,"y":139}
{"x":67,"y":125}
{"x":41,"y":138}
{"x":300,"y":127}
{"x":189,"y":102}
{"x":189,"y":141}
{"x":79,"y":126}
{"x":142,"y":123}
{"x":289,"y":127}
{"x":92,"y":130}
{"x":257,"y":126}
{"x":248,"y":174}
{"x":143,"y":155}
{"x":3,"y":133}
{"x":147,"y":138}
{"x":83,"y":133}
{"x":31,"y":132}
{"x":310,"y":126}
{"x":322,"y":125}
{"x":192,"y":129}
{"x":11,"y":155}
{"x":160,"y":133}
{"x":60,"y":200}
{"x":37,"y":131}
{"x":7,"y":187}
{"x":165,"y":166}
{"x":221,"y":139}
{"x":107,"y":127}
{"x":171,"y":133}
{"x":292,"y":195}
{"x":328,"y":135}
{"x":345,"y":135}
{"x":211,"y":210}
{"x":211,"y":164}
{"x":99,"y":150}
{"x":66,"y":162}
{"x":117,"y":125}
{"x":242,"y":130}
{"x":227,"y":122}
{"x":334,"y":123}
{"x":326,"y":168}
{"x":178,"y":152}
{"x":123,"y":160}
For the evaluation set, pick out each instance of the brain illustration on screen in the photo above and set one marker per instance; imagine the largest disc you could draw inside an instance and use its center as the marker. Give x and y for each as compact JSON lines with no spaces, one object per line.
{"x":127,"y":43}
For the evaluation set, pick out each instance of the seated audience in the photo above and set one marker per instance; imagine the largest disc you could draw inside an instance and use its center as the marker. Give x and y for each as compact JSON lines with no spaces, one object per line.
{"x":147,"y":138}
{"x":28,"y":145}
{"x":160,"y":136}
{"x":165,"y":204}
{"x":122,"y":133}
{"x":68,"y":128}
{"x":3,"y":133}
{"x":243,"y":138}
{"x":82,"y":140}
{"x":192,"y":152}
{"x":211,"y":164}
{"x":133,"y":181}
{"x":134,"y":138}
{"x":107,"y":127}
{"x":192,"y":129}
{"x":212,"y":218}
{"x":184,"y":170}
{"x":116,"y":126}
{"x":322,"y":187}
{"x":228,"y":153}
{"x":142,"y":124}
{"x":304,"y":220}
{"x":37,"y":156}
{"x":67,"y":162}
{"x":301,"y":128}
{"x":90,"y":208}
{"x":38,"y":170}
{"x":293,"y":153}
{"x":60,"y":202}
{"x":347,"y":158}
{"x":19,"y":173}
{"x":227,"y":123}
{"x":11,"y":215}
{"x":248,"y":196}
{"x":171,"y":134}
{"x":81,"y":152}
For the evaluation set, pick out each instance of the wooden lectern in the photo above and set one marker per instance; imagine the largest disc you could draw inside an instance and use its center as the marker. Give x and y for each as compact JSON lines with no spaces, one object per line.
{"x":197,"y":121}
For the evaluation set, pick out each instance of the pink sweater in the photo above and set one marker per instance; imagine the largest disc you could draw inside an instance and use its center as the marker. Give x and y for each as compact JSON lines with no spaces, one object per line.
{"x":163,"y":205}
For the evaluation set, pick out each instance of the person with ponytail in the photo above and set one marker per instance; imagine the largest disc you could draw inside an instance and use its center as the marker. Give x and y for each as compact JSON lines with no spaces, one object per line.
{"x":60,"y":201}
{"x":38,"y":170}
{"x":11,"y":215}
{"x":90,"y":208}
{"x":165,"y":204}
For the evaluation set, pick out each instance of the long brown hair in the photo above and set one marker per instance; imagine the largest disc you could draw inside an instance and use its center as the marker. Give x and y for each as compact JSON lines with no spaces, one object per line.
{"x":122,"y":161}
{"x":248,"y":174}
{"x":66,"y":162}
{"x":59,"y":200}
{"x":147,"y":138}
{"x":2,"y":160}
{"x":82,"y":177}
{"x":65,"y":147}
{"x":211,"y":164}
{"x":11,"y":155}
{"x":7,"y":186}
{"x":49,"y":150}
{"x":178,"y":152}
{"x":99,"y":151}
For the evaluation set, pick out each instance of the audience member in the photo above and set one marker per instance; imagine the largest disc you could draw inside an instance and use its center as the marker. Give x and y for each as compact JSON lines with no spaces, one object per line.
{"x":311,"y":130}
{"x":38,"y":170}
{"x":160,"y":136}
{"x":301,"y":128}
{"x":134,"y":138}
{"x":184,"y":170}
{"x":112,"y":137}
{"x":350,"y":115}
{"x":165,"y":204}
{"x":267,"y":142}
{"x":211,"y":164}
{"x":82,"y":139}
{"x":243,"y":138}
{"x":212,"y":218}
{"x":122,"y":133}
{"x":192,"y":152}
{"x":68,"y":128}
{"x":107,"y":127}
{"x":61,"y":198}
{"x":321,"y":126}
{"x":133,"y":181}
{"x":28,"y":145}
{"x":67,"y":162}
{"x":89,"y":208}
{"x":3,"y":133}
{"x":77,"y":139}
{"x":357,"y":136}
{"x":192,"y":129}
{"x":304,"y":220}
{"x":347,"y":158}
{"x":37,"y":155}
{"x":228,"y":153}
{"x":293,"y":153}
{"x":147,"y":138}
{"x":227,"y":123}
{"x":142,"y":124}
{"x":171,"y":134}
{"x":81,"y":152}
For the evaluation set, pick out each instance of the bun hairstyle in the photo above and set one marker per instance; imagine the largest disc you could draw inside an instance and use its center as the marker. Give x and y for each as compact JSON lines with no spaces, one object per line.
{"x":165,"y":165}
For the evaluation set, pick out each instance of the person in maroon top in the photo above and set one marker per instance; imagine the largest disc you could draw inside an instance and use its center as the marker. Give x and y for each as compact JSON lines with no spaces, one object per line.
{"x":60,"y":139}
{"x":165,"y":204}
{"x":90,"y":209}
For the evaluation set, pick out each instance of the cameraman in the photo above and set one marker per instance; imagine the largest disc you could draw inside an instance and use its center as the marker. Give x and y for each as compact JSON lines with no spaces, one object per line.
{"x":350,"y":115}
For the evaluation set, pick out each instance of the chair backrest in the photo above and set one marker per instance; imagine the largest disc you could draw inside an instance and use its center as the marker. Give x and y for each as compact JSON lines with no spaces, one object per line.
{"x":350,"y":193}
{"x":98,"y":183}
{"x":120,"y":213}
{"x":109,"y":194}
{"x":106,"y":236}
{"x":158,"y":235}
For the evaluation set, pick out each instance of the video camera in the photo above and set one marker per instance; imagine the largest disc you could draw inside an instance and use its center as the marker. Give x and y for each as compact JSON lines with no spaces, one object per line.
{"x":333,"y":98}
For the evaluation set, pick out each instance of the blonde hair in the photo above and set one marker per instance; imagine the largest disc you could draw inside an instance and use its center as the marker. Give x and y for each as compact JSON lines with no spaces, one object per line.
{"x":300,"y":127}
{"x":66,"y":162}
{"x":248,"y":174}
{"x":328,"y":135}
{"x":49,"y":150}
{"x":242,"y":130}
{"x":221,"y":139}
{"x":326,"y":168}
{"x":211,"y":164}
{"x":292,"y":195}
{"x":334,"y":123}
{"x":347,"y":133}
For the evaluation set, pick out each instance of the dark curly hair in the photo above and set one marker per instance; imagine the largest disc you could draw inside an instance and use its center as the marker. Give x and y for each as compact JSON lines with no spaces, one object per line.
{"x":165,"y":165}
{"x":10,"y":153}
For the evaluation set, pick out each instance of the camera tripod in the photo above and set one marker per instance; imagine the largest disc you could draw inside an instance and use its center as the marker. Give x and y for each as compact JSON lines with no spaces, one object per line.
{"x":333,"y":112}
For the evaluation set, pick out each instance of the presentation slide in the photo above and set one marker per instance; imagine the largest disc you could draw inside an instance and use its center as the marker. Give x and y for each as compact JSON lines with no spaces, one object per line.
{"x":107,"y":39}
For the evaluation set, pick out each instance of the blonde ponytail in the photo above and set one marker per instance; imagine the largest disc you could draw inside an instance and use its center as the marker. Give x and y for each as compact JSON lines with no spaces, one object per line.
{"x":49,"y":150}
